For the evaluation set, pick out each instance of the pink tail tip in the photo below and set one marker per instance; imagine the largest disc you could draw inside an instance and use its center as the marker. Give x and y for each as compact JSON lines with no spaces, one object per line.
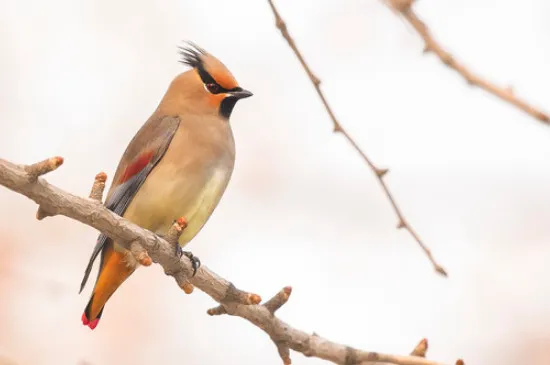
{"x":84,"y":319}
{"x":93,"y":324}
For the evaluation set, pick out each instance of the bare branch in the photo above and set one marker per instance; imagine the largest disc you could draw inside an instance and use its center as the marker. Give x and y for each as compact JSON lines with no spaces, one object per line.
{"x":337,"y":127}
{"x":232,"y":300}
{"x":404,"y":7}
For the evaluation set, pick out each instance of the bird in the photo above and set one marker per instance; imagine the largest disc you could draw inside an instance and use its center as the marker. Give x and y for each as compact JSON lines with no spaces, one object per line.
{"x":178,"y":164}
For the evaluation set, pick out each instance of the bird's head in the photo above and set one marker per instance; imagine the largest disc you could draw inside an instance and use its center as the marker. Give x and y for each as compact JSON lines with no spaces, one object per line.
{"x":208,"y":88}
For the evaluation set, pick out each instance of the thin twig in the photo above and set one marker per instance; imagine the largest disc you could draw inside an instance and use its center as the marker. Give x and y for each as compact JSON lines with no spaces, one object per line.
{"x":98,"y":187}
{"x":217,"y":311}
{"x":38,"y":169}
{"x":337,"y":127}
{"x":234,"y":301}
{"x":421,"y":348}
{"x":43,"y":167}
{"x":404,"y":7}
{"x":172,"y":238}
{"x":278,"y":299}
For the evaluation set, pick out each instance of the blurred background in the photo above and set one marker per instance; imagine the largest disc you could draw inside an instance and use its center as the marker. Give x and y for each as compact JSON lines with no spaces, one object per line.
{"x":471,"y":174}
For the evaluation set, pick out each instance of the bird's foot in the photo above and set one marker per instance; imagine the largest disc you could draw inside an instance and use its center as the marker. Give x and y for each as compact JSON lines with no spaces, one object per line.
{"x":179,"y":250}
{"x":194,"y":260}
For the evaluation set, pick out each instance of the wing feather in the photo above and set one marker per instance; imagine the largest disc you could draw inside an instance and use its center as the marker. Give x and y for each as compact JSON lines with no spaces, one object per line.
{"x":142,"y":154}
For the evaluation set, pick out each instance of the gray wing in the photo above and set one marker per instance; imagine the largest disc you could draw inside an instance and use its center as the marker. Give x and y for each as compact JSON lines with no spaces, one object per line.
{"x":142,"y":154}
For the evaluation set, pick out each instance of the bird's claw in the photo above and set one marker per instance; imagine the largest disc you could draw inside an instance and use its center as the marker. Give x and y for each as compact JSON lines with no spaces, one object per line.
{"x":179,"y":251}
{"x":194,"y":261}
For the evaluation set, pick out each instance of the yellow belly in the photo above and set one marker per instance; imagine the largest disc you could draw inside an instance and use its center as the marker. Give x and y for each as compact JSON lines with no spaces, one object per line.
{"x":166,"y":196}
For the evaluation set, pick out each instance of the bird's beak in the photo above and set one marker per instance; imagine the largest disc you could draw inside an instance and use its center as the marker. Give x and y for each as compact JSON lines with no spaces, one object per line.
{"x":240,"y":93}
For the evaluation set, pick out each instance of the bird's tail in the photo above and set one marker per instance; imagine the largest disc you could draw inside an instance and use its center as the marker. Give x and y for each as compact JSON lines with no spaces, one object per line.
{"x":114,"y":270}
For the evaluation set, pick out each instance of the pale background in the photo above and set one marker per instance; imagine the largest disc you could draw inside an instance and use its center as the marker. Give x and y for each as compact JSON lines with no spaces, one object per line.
{"x":78,"y":78}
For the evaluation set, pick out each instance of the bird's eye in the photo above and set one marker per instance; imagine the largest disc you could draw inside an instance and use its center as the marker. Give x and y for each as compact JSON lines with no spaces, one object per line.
{"x":213,"y":88}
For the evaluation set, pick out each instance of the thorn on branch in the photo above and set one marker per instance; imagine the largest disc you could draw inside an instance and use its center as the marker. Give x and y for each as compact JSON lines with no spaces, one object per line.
{"x":140,"y":254}
{"x":278,"y":300}
{"x":43,"y":167}
{"x":41,"y":213}
{"x":217,"y":311}
{"x":447,"y":59}
{"x":316,"y":81}
{"x":421,"y":348}
{"x":98,"y":187}
{"x":401,"y":224}
{"x":441,"y":270}
{"x":381,"y":172}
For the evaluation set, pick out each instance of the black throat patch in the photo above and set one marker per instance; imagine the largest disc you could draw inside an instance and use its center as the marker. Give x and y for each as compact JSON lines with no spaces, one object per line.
{"x":227,"y":106}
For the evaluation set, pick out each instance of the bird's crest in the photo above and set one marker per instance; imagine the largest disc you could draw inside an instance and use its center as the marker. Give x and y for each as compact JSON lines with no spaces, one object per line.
{"x":210,"y":69}
{"x":191,"y":54}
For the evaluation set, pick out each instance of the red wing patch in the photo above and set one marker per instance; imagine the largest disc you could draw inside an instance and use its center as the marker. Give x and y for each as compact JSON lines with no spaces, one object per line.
{"x":136,"y":166}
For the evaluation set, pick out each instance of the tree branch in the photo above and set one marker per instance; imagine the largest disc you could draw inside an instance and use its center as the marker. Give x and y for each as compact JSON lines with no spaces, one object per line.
{"x":337,"y":128}
{"x":24,"y":180}
{"x":404,"y":7}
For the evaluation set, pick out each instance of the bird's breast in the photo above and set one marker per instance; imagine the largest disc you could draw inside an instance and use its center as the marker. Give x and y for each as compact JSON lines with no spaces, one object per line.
{"x":198,"y":213}
{"x":189,"y":181}
{"x":167,"y":196}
